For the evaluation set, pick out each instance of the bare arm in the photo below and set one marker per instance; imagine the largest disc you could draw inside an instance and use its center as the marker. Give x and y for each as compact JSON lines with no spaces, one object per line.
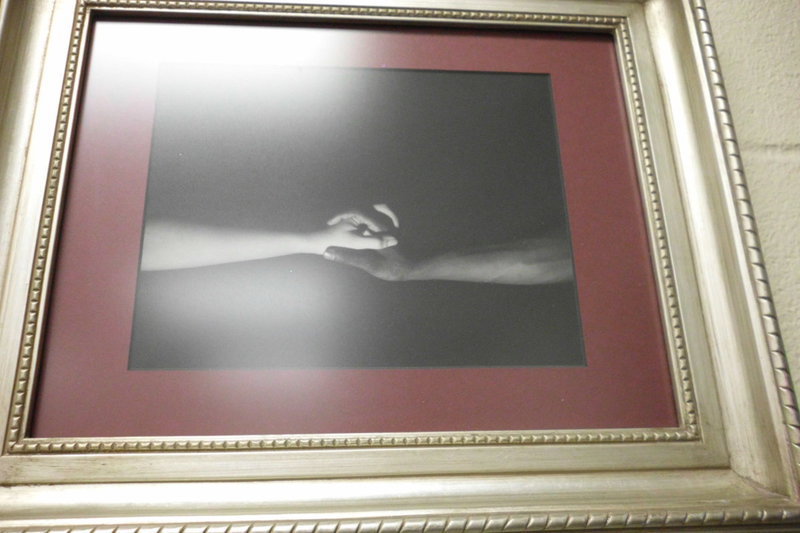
{"x":170,"y":245}
{"x":527,"y":262}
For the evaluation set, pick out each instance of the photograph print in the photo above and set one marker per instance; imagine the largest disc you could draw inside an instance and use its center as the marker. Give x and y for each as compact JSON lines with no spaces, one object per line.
{"x":320,"y":217}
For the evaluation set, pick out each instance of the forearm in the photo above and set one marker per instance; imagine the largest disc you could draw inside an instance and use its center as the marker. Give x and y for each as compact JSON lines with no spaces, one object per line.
{"x":168,"y":245}
{"x":527,"y":262}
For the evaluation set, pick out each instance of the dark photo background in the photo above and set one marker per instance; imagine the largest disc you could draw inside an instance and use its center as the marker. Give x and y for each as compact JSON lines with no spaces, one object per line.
{"x":465,"y":159}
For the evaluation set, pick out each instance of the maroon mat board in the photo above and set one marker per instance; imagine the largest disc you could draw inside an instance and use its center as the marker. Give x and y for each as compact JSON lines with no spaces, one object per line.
{"x":85,"y":389}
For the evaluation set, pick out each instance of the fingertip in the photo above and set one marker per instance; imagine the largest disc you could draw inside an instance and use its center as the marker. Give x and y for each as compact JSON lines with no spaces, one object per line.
{"x":330,"y":255}
{"x":372,"y":226}
{"x":386,"y":210}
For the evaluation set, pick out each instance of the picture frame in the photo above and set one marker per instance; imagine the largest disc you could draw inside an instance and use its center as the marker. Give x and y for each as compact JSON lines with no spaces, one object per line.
{"x":730,"y":462}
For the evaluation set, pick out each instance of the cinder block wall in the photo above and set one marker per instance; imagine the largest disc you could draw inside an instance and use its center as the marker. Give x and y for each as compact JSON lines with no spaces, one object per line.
{"x":758,"y":43}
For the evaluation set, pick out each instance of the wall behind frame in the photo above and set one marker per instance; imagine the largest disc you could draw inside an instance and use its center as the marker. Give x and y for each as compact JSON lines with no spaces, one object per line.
{"x":758,"y":43}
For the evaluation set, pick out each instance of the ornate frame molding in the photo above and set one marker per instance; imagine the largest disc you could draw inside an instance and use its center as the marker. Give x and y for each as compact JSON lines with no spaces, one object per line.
{"x":16,"y":442}
{"x":649,"y":521}
{"x":705,"y":476}
{"x":747,"y":221}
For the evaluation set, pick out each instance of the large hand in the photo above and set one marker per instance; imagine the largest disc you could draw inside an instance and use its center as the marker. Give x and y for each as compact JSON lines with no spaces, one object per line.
{"x":386,"y":264}
{"x":357,"y":230}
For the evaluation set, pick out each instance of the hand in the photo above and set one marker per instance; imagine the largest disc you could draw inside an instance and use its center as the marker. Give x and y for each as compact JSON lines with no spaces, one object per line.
{"x":383,"y":220}
{"x":357,"y":230}
{"x":386,"y":264}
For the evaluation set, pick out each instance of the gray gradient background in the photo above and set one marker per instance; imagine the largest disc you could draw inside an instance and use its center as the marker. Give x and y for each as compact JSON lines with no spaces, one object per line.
{"x":464,"y":159}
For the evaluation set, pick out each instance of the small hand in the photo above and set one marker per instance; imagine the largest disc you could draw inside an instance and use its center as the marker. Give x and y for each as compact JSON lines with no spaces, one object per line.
{"x":386,"y":264}
{"x":346,"y":235}
{"x":371,"y":222}
{"x":357,"y":230}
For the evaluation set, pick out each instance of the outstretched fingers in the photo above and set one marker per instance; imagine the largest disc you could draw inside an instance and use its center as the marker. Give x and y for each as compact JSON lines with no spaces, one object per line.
{"x":374,"y":242}
{"x":387,"y":264}
{"x":348,"y":256}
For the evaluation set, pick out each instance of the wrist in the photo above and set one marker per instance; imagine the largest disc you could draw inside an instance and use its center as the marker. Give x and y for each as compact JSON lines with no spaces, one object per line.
{"x":425,"y":269}
{"x":409,"y":270}
{"x":413,"y":272}
{"x":314,"y":242}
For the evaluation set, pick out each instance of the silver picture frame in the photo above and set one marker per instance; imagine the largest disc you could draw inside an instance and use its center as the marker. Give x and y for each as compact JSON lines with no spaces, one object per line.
{"x":730,"y":462}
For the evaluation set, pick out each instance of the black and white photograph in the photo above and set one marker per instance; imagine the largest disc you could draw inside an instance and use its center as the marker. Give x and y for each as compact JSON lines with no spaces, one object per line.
{"x":321,"y":217}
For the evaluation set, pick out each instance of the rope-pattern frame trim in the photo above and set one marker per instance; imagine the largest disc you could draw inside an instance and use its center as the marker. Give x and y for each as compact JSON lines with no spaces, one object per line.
{"x":689,"y":411}
{"x":747,"y":221}
{"x":465,"y":523}
{"x":447,"y":439}
{"x":16,"y":442}
{"x":25,"y":368}
{"x":357,"y":11}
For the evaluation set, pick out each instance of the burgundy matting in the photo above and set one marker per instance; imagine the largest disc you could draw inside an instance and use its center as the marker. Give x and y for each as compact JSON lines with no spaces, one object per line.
{"x":86,"y":390}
